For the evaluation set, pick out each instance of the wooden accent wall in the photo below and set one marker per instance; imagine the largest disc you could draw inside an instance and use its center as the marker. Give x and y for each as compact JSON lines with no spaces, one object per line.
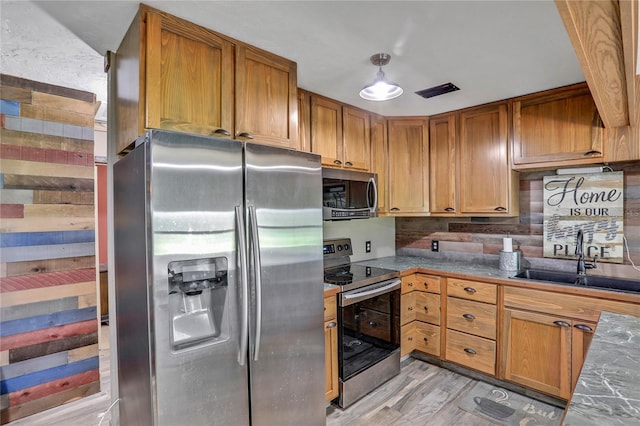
{"x":483,"y":236}
{"x":48,"y":318}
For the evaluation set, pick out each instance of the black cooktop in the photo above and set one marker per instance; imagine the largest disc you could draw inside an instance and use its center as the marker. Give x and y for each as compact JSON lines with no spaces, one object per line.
{"x":352,"y":276}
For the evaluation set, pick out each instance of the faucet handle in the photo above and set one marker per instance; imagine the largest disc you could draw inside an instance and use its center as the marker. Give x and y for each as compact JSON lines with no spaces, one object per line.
{"x":592,"y":265}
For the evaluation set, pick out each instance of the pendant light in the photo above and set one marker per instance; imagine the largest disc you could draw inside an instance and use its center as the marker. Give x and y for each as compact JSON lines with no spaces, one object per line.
{"x":381,"y":89}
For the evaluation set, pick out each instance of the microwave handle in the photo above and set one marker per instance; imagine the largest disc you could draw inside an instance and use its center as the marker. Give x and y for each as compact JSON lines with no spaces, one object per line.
{"x":372,"y":181}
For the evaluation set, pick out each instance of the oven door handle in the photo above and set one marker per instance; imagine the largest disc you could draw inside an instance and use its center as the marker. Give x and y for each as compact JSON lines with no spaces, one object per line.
{"x":350,"y":298}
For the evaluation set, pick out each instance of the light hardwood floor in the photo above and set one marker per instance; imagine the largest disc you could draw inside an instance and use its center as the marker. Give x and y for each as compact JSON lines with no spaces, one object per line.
{"x":423,"y":394}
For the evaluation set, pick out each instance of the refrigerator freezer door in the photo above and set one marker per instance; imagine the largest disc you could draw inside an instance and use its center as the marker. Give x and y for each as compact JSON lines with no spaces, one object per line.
{"x":195,"y":186}
{"x":284,"y":208}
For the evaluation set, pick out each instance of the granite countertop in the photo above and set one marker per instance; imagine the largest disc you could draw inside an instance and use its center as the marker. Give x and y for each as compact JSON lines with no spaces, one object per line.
{"x":608,"y":390}
{"x":401,"y":263}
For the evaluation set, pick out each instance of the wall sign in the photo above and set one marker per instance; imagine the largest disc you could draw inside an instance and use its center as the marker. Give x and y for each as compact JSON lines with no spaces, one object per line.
{"x":591,"y":202}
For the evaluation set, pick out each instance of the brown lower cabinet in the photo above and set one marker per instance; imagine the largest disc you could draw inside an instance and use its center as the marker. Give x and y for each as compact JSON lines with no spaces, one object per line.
{"x":330,"y":348}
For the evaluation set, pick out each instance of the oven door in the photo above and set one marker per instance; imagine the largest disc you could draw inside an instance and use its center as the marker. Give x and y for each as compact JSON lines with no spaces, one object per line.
{"x":369,"y":319}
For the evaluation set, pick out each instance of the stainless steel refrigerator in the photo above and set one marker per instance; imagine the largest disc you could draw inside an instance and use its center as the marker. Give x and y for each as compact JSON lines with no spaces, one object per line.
{"x":218,"y":275}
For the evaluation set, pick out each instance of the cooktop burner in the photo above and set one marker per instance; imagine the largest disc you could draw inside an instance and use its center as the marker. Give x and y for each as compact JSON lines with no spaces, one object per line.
{"x":353,"y":276}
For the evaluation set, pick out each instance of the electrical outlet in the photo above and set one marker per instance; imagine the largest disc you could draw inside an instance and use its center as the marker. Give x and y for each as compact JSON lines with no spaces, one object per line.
{"x":435,"y":245}
{"x":367,"y":246}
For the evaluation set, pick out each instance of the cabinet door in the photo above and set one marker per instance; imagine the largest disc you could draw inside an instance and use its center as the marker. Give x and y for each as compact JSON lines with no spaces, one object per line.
{"x":408,"y":339}
{"x":356,"y":138}
{"x":266,"y":97}
{"x":426,"y":338}
{"x":189,"y":77}
{"x":581,"y":336}
{"x":427,"y":307}
{"x":537,"y":351}
{"x":485,"y":173}
{"x":331,"y":359}
{"x":379,"y":159}
{"x":408,"y":308}
{"x":326,"y":130}
{"x":442,"y":165}
{"x":558,"y":127}
{"x":408,"y":166}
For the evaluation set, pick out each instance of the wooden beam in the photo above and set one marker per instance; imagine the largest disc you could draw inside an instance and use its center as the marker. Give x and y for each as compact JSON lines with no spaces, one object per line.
{"x":595,"y":32}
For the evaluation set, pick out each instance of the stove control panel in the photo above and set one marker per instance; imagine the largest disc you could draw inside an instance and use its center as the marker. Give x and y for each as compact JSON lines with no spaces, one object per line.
{"x":337,"y":248}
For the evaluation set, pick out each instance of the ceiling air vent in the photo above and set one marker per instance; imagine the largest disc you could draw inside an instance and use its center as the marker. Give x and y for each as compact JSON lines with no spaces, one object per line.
{"x":437,"y":90}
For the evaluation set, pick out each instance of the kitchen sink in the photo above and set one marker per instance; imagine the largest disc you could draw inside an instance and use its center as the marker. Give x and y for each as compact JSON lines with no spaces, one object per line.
{"x":619,"y":284}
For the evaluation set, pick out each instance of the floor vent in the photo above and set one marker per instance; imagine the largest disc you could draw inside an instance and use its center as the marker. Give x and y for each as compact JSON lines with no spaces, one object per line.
{"x":437,"y":90}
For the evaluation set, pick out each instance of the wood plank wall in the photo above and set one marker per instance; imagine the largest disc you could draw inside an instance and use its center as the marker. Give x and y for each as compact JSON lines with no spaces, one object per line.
{"x":48,"y":317}
{"x":483,"y":236}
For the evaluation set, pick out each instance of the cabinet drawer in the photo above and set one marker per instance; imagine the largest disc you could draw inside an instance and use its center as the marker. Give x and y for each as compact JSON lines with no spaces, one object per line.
{"x":426,"y":338}
{"x":472,"y":317}
{"x":471,"y":351}
{"x":407,"y":308}
{"x":421,"y":282}
{"x":330,"y":308}
{"x":428,"y":283}
{"x":472,"y":290}
{"x":427,"y":307}
{"x":408,"y":338}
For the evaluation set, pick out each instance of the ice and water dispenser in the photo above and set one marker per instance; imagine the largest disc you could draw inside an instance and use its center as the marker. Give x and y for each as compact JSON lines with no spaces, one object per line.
{"x":197,"y":293}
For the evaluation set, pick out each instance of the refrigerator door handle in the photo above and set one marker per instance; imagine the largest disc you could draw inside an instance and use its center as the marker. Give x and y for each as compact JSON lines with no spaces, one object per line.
{"x":373,"y":206}
{"x":244,"y":283}
{"x":253,"y":223}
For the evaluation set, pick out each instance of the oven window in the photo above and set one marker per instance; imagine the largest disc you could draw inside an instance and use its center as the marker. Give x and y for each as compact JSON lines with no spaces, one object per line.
{"x":370,"y":331}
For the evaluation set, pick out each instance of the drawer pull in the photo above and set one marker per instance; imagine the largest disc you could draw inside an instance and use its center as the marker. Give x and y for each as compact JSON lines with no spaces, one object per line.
{"x":337,"y":162}
{"x":348,"y":164}
{"x":449,"y":209}
{"x":470,"y":290}
{"x":410,"y":339}
{"x":245,"y":135}
{"x":425,"y":339}
{"x":373,"y":323}
{"x":583,"y":327}
{"x":410,"y":284}
{"x":425,"y":284}
{"x":592,"y":152}
{"x":410,"y":308}
{"x":470,"y":351}
{"x":394,"y":209}
{"x":469,"y":316}
{"x":562,"y":324}
{"x":426,"y":308}
{"x":500,"y":209}
{"x":221,"y":132}
{"x":331,"y":324}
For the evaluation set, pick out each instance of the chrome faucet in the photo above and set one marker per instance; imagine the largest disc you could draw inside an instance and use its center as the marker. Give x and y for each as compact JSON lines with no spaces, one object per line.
{"x":582,"y":264}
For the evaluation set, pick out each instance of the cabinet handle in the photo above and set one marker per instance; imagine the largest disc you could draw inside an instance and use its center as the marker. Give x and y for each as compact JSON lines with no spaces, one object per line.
{"x":410,"y":308}
{"x":331,"y":324}
{"x":373,"y":323}
{"x":583,"y":327}
{"x":592,"y":152}
{"x":562,"y":324}
{"x":425,"y":284}
{"x":470,"y":290}
{"x":425,"y":339}
{"x":246,"y":135}
{"x":468,"y":316}
{"x":221,"y":132}
{"x":426,"y":308}
{"x":394,"y":209}
{"x":500,"y":209}
{"x":470,"y":351}
{"x":410,"y":284}
{"x":337,"y":162}
{"x":449,"y":209}
{"x":348,"y":164}
{"x":410,"y":339}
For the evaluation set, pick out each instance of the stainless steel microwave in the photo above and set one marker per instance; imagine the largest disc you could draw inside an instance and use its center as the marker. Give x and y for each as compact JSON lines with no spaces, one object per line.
{"x":348,"y":194}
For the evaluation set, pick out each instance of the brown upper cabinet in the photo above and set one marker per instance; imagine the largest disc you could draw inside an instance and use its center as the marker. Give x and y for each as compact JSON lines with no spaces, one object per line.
{"x":340,"y":134}
{"x":379,"y":159}
{"x":174,"y":75}
{"x":408,"y":166}
{"x":558,"y":127}
{"x":470,"y":174}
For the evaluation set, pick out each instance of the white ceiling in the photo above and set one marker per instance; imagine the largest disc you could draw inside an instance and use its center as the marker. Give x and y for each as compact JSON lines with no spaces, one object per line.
{"x":490,"y":49}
